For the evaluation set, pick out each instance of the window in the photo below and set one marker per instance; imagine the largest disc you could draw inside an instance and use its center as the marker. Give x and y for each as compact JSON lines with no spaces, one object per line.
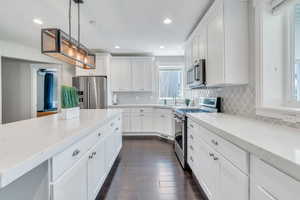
{"x":170,"y":82}
{"x":296,"y":54}
{"x":277,"y":38}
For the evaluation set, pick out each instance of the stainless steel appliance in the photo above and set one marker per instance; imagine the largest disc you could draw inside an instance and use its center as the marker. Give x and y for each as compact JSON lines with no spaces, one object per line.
{"x":208,"y":105}
{"x":196,"y":75}
{"x":92,"y":91}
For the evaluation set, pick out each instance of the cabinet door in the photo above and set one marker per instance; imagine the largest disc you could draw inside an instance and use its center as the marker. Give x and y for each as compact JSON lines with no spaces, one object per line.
{"x":85,"y":72}
{"x":101,"y":64}
{"x":215,"y":50}
{"x":121,"y":75}
{"x":126,"y":122}
{"x":147,"y":122}
{"x":167,"y":124}
{"x":195,"y":52}
{"x":148,"y":75}
{"x":234,"y":184}
{"x":96,"y":169}
{"x":203,"y":44}
{"x":136,"y":122}
{"x":207,"y":168}
{"x":109,"y":151}
{"x":73,"y":184}
{"x":138,"y":69}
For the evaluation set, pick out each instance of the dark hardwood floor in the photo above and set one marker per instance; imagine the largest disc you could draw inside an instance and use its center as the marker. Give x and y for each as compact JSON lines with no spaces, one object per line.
{"x":149,"y":170}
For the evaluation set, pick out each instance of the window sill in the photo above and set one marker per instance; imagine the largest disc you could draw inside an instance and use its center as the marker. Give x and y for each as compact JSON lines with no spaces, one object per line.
{"x":287,"y":114}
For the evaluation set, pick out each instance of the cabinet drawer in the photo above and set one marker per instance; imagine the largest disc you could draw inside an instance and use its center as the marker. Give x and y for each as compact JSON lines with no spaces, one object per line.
{"x":141,"y":110}
{"x":233,"y":153}
{"x":270,"y":183}
{"x":65,"y":160}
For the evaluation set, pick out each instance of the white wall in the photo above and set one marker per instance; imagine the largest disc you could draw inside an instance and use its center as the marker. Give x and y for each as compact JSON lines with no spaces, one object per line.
{"x":16,"y":87}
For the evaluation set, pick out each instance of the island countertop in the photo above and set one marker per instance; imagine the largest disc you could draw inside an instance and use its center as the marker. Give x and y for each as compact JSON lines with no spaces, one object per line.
{"x":26,"y":144}
{"x":278,"y":145}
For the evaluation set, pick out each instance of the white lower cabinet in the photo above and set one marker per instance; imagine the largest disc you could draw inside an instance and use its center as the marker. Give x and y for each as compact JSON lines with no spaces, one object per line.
{"x":148,"y":120}
{"x":268,"y":183}
{"x":84,"y":179}
{"x":218,"y":176}
{"x":73,"y":184}
{"x":126,"y":125}
{"x":234,"y":184}
{"x":96,"y":169}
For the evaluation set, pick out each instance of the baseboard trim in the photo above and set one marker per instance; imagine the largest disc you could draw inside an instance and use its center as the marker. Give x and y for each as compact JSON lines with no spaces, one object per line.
{"x":148,"y":137}
{"x":147,"y":134}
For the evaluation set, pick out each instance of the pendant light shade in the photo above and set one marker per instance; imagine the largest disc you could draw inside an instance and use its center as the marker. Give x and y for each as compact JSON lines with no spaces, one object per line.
{"x":58,"y":44}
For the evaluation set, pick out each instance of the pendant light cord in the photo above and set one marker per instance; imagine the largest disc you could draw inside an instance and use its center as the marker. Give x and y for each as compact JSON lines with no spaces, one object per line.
{"x":70,"y":18}
{"x":78,"y":24}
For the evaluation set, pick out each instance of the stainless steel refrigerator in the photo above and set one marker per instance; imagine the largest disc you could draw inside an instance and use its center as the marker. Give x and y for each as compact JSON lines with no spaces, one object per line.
{"x":92,"y":91}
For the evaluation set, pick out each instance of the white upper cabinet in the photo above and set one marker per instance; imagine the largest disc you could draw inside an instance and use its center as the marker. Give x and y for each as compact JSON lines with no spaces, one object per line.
{"x":137,"y":75}
{"x":195,"y":49}
{"x":215,"y":50}
{"x":102,"y":64}
{"x":132,"y":74}
{"x":121,"y":75}
{"x":222,"y":39}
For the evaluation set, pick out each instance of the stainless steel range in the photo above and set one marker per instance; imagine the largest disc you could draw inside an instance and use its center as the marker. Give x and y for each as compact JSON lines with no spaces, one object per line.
{"x":208,"y":105}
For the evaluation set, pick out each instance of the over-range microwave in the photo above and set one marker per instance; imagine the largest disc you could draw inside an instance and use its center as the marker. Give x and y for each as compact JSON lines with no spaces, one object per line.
{"x":196,"y":75}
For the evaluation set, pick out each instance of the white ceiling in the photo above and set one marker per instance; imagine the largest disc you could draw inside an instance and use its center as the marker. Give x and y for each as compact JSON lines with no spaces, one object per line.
{"x":134,"y":25}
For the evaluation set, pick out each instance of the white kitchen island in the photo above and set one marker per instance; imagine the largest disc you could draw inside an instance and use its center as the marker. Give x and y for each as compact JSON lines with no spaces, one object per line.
{"x":51,"y":158}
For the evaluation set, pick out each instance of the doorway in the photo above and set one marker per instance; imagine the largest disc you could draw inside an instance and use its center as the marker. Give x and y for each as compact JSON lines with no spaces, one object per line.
{"x":47,"y":101}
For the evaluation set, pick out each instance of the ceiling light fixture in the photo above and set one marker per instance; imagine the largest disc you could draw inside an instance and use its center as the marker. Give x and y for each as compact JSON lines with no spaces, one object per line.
{"x":162,"y":47}
{"x":38,"y":21}
{"x":64,"y":47}
{"x":168,"y":21}
{"x":117,"y":47}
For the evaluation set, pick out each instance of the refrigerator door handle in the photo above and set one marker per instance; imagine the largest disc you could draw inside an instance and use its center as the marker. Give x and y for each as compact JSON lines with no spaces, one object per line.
{"x":88,"y":96}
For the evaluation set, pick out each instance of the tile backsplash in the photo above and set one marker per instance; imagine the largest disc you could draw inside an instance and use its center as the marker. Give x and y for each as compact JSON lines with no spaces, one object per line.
{"x":237,"y":100}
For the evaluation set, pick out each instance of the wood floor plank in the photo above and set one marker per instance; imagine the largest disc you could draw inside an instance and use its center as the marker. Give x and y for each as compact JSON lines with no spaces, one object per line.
{"x":149,"y":170}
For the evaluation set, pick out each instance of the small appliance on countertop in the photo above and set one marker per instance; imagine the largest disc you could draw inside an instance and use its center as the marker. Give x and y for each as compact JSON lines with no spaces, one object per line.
{"x":207,"y":105}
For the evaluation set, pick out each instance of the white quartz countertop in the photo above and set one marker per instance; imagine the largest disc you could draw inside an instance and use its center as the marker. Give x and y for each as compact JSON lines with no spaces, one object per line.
{"x":142,"y":106}
{"x":275,"y":144}
{"x":161,"y":106}
{"x":26,"y":144}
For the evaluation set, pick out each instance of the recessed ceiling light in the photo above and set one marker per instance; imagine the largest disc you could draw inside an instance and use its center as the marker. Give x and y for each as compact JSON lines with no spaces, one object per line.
{"x":168,"y":21}
{"x":38,"y":21}
{"x":162,"y":47}
{"x":117,"y":47}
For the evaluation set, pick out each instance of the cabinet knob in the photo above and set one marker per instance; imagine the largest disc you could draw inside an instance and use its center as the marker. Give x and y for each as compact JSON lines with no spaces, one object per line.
{"x":76,"y":152}
{"x":99,"y":134}
{"x":112,"y":124}
{"x":116,"y":129}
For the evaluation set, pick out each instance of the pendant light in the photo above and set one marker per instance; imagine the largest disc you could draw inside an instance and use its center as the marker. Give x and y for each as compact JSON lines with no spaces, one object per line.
{"x":62,"y":46}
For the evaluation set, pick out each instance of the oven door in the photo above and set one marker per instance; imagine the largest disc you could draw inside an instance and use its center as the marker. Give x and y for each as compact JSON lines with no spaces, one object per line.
{"x":179,"y":143}
{"x":179,"y":131}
